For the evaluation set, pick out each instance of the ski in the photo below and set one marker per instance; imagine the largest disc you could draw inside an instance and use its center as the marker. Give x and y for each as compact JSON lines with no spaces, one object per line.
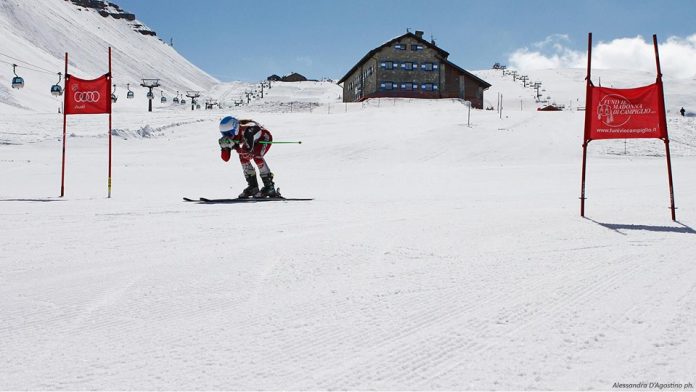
{"x":204,"y":200}
{"x":279,"y":197}
{"x":249,"y":200}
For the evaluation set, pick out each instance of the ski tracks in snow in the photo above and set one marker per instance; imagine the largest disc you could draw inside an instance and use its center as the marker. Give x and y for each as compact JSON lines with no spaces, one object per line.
{"x":534,"y":329}
{"x":449,"y":333}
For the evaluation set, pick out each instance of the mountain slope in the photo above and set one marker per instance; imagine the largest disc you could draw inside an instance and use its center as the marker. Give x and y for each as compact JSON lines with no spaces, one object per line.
{"x":37,"y":34}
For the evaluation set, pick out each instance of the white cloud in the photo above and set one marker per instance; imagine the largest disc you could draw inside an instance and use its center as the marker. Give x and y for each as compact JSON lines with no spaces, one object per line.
{"x":554,"y":40}
{"x":677,"y":55}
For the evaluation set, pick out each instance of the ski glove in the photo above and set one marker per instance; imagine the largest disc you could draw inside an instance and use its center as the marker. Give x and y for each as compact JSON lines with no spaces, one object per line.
{"x":226,"y":142}
{"x":225,"y":154}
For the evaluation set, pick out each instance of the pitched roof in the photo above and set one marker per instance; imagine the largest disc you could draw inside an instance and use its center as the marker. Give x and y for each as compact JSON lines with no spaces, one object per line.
{"x":440,"y":51}
{"x":369,"y":54}
{"x":467,"y":73}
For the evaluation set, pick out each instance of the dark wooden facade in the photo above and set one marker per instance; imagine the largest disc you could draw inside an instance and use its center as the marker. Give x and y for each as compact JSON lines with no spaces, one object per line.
{"x":294,"y":77}
{"x":411,"y":67}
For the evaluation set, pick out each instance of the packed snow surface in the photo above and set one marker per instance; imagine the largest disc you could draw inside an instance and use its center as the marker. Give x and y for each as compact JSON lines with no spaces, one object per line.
{"x":436,"y":254}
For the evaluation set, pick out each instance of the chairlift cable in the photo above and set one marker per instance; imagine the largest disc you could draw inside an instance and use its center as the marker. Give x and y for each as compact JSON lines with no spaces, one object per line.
{"x":28,"y":68}
{"x":26,"y":62}
{"x":32,"y":67}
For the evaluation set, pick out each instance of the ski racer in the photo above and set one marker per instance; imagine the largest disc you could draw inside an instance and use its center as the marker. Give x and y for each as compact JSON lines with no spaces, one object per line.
{"x":246,"y":137}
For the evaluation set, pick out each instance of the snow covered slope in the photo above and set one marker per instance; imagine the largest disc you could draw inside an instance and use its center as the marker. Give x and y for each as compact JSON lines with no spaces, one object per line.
{"x":302,"y":95}
{"x":566,"y":87}
{"x":36,"y":34}
{"x":435,"y":256}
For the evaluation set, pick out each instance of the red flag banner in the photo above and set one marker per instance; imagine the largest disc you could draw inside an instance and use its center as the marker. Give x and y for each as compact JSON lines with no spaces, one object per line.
{"x":625,"y":113}
{"x":87,"y":96}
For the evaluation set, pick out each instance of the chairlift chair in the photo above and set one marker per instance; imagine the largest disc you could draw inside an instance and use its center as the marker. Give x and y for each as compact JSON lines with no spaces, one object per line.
{"x":17,"y":81}
{"x":56,"y":90}
{"x":176,"y":99}
{"x":130,"y":94}
{"x":163,"y":99}
{"x":150,"y":95}
{"x":114,"y":98}
{"x":183,"y":101}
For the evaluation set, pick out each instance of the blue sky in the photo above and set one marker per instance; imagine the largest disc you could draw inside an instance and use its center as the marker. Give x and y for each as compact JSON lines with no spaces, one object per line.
{"x":250,"y":40}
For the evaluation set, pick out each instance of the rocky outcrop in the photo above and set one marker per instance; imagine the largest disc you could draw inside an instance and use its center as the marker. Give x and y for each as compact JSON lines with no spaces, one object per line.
{"x":112,"y":10}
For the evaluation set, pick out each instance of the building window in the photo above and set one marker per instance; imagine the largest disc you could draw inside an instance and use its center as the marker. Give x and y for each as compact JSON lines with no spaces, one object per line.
{"x":429,"y":87}
{"x":400,"y":46}
{"x":430,"y":66}
{"x":388,"y":86}
{"x":416,"y":47}
{"x":409,"y":66}
{"x":409,"y":86}
{"x":387,"y":65}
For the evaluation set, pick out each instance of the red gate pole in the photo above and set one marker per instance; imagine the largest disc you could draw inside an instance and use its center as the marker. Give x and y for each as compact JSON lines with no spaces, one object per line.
{"x":671,"y":184}
{"x":588,"y":108}
{"x":582,"y":189}
{"x":110,"y":109}
{"x":65,"y":119}
{"x":663,"y":124}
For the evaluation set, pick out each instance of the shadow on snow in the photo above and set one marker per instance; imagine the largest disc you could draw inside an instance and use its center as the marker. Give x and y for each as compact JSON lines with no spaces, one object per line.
{"x":617,"y":227}
{"x":32,"y":200}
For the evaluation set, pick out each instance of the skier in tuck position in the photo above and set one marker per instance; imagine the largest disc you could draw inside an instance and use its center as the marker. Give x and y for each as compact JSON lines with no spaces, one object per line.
{"x":245,"y":137}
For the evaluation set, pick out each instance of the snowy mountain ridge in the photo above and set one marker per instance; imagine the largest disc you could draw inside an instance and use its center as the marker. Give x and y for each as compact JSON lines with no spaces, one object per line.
{"x":114,"y":11}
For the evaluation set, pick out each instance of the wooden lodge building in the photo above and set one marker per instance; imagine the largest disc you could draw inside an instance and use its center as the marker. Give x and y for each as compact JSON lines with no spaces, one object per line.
{"x":410,"y":67}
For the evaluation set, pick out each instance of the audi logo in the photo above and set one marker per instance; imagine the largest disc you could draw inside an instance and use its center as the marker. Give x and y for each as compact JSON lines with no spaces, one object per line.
{"x":87,"y":96}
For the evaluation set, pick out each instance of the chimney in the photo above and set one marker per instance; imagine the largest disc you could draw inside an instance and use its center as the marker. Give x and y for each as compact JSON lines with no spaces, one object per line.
{"x":419,"y":34}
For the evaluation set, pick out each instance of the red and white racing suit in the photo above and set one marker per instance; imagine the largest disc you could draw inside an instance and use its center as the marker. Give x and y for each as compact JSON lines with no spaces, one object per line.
{"x":249,"y":148}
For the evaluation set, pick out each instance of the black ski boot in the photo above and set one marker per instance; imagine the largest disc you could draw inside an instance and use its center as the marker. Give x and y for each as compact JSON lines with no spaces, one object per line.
{"x":268,"y":189}
{"x":252,"y":188}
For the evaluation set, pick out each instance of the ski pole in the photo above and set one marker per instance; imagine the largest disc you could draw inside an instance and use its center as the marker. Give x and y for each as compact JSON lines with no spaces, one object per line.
{"x":298,"y":142}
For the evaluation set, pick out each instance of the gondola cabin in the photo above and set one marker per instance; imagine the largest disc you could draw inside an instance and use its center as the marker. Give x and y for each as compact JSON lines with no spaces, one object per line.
{"x":17,"y":82}
{"x":56,"y":90}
